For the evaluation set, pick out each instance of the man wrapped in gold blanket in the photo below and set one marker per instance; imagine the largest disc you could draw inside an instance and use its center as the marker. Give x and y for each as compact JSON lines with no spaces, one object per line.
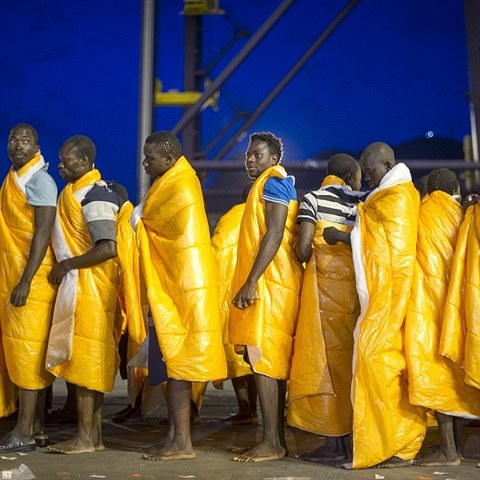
{"x":180,"y":277}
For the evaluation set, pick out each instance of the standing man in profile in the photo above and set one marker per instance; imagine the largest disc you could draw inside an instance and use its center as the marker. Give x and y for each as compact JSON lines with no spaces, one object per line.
{"x":179,"y":274}
{"x":387,"y":430}
{"x":28,"y":199}
{"x":87,"y":319}
{"x":266,"y":285}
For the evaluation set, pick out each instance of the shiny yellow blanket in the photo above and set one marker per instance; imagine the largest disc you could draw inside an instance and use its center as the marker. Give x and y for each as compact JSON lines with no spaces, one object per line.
{"x":180,"y":276}
{"x":87,"y":319}
{"x":268,"y":324}
{"x":384,"y":249}
{"x":435,"y":381}
{"x":460,"y":340}
{"x":321,"y":376}
{"x":135,"y":317}
{"x":24,"y":329}
{"x":224,"y":244}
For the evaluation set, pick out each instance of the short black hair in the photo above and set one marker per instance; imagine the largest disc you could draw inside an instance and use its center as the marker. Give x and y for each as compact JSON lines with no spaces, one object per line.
{"x":85,"y":146}
{"x":341,"y":165}
{"x":166,"y":142}
{"x":275,"y":145}
{"x":442,"y":179}
{"x":26,"y":126}
{"x":421,"y":185}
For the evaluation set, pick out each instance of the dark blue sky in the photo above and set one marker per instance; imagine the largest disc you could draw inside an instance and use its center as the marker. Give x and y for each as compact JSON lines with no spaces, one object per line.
{"x":392,"y":71}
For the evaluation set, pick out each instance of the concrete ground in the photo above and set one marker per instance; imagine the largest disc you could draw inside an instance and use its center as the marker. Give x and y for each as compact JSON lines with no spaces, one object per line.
{"x":214,"y":442}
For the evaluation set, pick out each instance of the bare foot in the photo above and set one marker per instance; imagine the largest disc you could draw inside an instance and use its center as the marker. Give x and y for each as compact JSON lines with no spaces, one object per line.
{"x":169,"y":451}
{"x":394,"y":462}
{"x":72,"y":447}
{"x":263,"y":452}
{"x":325,"y":453}
{"x":99,"y":447}
{"x":241,"y":419}
{"x":439,"y":459}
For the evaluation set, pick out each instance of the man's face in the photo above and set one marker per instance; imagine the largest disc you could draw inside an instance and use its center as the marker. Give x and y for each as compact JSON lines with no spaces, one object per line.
{"x":155,"y":162}
{"x":258,"y":158}
{"x":21,"y":147}
{"x":373,"y":169}
{"x":72,"y":166}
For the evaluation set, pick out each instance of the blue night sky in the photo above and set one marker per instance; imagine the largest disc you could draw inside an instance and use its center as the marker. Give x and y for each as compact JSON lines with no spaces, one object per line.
{"x":392,"y":71}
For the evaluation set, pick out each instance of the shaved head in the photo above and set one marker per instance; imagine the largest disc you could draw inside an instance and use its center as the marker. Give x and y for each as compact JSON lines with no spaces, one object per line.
{"x":376,"y":160}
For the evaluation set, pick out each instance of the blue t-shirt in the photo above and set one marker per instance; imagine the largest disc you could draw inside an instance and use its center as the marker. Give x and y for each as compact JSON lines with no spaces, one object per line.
{"x":41,"y":189}
{"x":280,"y":190}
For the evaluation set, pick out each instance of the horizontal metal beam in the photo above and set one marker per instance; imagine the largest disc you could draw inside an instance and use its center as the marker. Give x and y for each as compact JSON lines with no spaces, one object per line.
{"x":418,"y":164}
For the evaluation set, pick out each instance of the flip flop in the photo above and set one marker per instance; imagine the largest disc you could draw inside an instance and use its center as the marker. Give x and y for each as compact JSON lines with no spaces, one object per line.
{"x":10,"y":443}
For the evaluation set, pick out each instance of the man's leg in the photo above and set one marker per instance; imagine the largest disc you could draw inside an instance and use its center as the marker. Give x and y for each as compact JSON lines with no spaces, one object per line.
{"x":178,"y":444}
{"x":21,"y":437}
{"x":447,"y":454}
{"x":26,"y":414}
{"x":67,"y":413}
{"x":97,"y":422}
{"x":458,"y":423}
{"x":89,"y":403}
{"x":242,"y":387}
{"x":270,"y":448}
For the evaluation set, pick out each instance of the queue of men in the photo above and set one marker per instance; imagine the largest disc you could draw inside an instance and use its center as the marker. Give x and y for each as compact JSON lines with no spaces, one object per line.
{"x":363,"y":305}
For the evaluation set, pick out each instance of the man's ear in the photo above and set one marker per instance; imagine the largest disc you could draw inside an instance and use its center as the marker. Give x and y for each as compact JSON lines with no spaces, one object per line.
{"x":388,"y":166}
{"x":169,"y":158}
{"x":275,"y":159}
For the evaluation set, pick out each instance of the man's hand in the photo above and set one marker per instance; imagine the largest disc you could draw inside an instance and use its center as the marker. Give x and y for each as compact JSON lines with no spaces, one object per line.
{"x":330,"y":235}
{"x":19,"y":296}
{"x":245,"y":296}
{"x":59,"y":270}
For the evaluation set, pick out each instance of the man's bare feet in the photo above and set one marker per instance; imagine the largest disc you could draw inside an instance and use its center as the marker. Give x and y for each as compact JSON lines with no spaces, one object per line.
{"x":72,"y":447}
{"x":439,"y":459}
{"x":324,"y":453}
{"x":241,"y":419}
{"x":169,"y":451}
{"x":394,"y":462}
{"x":263,"y":452}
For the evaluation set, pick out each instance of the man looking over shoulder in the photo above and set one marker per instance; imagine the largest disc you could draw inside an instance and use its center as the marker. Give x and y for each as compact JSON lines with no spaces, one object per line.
{"x":266,"y":284}
{"x":28,"y":200}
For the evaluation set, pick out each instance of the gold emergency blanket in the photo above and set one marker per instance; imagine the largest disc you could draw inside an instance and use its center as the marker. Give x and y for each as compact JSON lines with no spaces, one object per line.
{"x":321,"y":376}
{"x":224,"y":244}
{"x":135,"y":323}
{"x":435,"y":382}
{"x":8,"y":392}
{"x":24,"y":329}
{"x":87,"y":320}
{"x":384,"y":249}
{"x":180,"y":276}
{"x":460,"y":340}
{"x":269,"y":323}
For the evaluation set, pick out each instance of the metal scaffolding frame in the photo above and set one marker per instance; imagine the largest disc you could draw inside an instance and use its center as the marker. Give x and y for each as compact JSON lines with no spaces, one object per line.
{"x":189,"y":124}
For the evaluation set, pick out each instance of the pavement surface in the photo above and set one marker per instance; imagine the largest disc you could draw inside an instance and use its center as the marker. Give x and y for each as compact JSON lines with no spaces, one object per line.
{"x":215,"y":443}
